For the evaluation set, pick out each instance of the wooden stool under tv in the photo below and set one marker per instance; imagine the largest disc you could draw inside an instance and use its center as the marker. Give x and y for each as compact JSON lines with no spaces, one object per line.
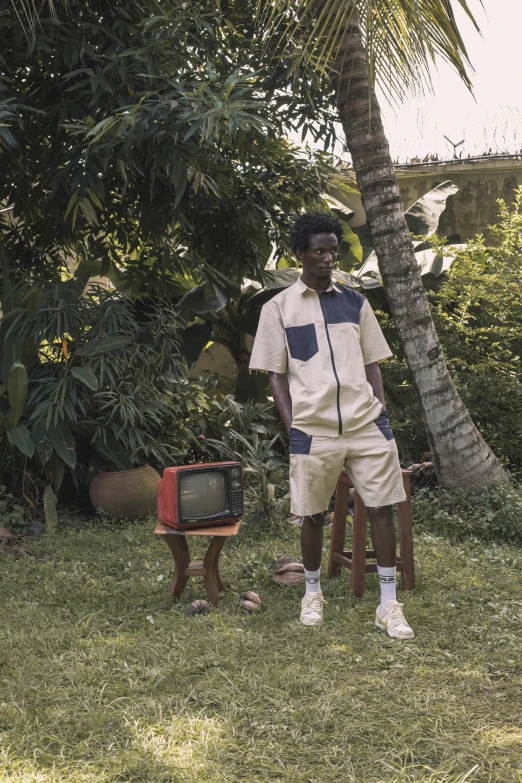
{"x":356,"y":560}
{"x":208,"y":568}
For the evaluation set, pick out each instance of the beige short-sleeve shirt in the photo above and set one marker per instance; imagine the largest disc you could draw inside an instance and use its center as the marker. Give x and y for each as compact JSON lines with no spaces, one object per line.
{"x":322,"y":342}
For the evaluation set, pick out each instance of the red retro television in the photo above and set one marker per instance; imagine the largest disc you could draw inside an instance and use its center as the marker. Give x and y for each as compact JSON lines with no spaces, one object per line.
{"x":202,"y":495}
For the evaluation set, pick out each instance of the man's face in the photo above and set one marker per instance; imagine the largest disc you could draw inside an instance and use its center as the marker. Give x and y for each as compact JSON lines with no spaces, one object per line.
{"x":320,"y":257}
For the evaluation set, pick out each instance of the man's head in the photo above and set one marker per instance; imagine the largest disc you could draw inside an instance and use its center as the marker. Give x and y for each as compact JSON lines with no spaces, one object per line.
{"x":315,"y":239}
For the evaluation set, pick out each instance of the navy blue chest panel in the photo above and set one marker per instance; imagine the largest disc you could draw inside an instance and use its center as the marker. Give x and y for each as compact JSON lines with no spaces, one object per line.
{"x":338,"y":307}
{"x":344,"y":307}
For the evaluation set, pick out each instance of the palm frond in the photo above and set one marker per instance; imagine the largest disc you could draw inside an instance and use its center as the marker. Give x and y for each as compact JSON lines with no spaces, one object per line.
{"x":402,"y":37}
{"x":26,"y":10}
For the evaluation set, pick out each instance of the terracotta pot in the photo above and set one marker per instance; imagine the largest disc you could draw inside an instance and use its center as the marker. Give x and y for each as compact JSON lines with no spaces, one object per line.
{"x":126,"y":493}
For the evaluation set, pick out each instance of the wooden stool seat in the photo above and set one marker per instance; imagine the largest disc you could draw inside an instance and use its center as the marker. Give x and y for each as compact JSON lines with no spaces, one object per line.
{"x":356,"y":558}
{"x":208,"y":568}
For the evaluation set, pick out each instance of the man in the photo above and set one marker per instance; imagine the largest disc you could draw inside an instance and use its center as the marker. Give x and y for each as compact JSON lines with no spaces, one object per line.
{"x":320,"y":344}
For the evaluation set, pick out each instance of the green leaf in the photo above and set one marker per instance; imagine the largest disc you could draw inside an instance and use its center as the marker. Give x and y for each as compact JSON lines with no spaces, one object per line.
{"x":17,"y":387}
{"x":57,"y":469}
{"x":21,"y":438}
{"x":11,"y":347}
{"x":44,"y":446}
{"x":203,"y":299}
{"x":424,"y":215}
{"x":194,"y":339}
{"x":63,"y":442}
{"x":103,"y":345}
{"x":86,"y":376}
{"x":281,"y":278}
{"x":112,"y":451}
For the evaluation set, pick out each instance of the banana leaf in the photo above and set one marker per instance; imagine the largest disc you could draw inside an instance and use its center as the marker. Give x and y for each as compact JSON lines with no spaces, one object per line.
{"x":195,"y":337}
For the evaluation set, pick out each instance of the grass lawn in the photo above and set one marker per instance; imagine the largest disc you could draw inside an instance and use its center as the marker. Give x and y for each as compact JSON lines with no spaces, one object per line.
{"x":103,"y":680}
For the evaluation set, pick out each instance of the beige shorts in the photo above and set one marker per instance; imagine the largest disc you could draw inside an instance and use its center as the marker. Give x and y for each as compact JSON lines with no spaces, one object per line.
{"x":369,"y":455}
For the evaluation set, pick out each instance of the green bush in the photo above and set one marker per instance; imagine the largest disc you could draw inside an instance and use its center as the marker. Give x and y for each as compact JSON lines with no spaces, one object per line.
{"x":102,"y":381}
{"x":478,"y":314}
{"x":251,"y":434}
{"x":491,"y":514}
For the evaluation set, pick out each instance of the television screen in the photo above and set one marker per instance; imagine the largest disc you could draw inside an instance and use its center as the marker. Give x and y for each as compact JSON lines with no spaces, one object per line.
{"x":202,"y":494}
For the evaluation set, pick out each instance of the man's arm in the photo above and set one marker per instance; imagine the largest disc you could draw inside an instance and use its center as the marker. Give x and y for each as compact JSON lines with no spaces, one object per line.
{"x":374,"y":378}
{"x":282,"y":399}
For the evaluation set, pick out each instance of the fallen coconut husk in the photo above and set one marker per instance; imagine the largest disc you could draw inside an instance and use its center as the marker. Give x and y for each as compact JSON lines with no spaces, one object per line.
{"x":249,"y":595}
{"x":250,"y":601}
{"x":198,"y":607}
{"x":284,"y":560}
{"x":288,"y":571}
{"x":7,"y":537}
{"x":250,"y":606}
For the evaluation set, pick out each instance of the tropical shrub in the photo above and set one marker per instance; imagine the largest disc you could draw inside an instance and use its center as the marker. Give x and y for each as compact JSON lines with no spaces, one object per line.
{"x":490,"y":514}
{"x":94,"y":377}
{"x":478,"y":312}
{"x":252,"y":434}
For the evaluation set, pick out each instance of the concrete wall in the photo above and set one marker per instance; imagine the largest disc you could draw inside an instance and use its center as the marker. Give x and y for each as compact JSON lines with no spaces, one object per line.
{"x":480,"y":181}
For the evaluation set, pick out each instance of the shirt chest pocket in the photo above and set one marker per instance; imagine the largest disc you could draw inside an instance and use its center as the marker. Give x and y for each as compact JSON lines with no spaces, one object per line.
{"x":302,"y":342}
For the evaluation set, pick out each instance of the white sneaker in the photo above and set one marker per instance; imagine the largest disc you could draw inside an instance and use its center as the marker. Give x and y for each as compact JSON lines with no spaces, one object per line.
{"x":390,"y":618}
{"x":312,"y":609}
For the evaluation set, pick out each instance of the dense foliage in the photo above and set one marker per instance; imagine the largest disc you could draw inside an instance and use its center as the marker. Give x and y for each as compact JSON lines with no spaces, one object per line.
{"x":99,"y":381}
{"x":478,"y":312}
{"x":139,"y":143}
{"x":143,"y":138}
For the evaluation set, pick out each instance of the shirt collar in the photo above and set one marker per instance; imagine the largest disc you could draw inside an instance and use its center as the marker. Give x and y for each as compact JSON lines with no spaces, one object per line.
{"x":302,"y":287}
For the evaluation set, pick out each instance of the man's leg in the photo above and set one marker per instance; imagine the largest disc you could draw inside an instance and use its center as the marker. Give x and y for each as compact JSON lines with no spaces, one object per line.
{"x":384,"y":545}
{"x":373,"y":466}
{"x":389,"y":616}
{"x":312,"y":549}
{"x":312,"y":541}
{"x":315,"y":466}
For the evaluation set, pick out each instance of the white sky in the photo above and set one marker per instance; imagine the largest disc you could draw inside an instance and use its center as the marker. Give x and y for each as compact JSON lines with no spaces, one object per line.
{"x":492,"y":118}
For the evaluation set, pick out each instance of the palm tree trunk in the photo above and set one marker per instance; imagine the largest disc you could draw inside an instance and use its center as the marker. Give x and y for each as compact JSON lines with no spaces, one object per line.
{"x":461,"y":455}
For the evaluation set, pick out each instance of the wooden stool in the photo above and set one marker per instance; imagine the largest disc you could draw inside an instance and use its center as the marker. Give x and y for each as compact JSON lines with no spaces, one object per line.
{"x":356,"y":559}
{"x":176,"y":541}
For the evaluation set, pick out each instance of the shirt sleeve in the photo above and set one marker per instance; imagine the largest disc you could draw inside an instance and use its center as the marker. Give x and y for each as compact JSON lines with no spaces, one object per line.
{"x":373,"y":345}
{"x":269,"y":353}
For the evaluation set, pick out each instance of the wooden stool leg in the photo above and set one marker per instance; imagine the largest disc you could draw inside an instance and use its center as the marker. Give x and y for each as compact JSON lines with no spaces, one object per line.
{"x":180,"y":552}
{"x":210,"y":564}
{"x":358,"y":547}
{"x":342,"y":494}
{"x":406,"y":537}
{"x":219,"y":582}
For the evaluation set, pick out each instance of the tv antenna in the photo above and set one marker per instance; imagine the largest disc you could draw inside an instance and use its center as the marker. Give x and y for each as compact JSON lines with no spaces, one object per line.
{"x":454,"y":145}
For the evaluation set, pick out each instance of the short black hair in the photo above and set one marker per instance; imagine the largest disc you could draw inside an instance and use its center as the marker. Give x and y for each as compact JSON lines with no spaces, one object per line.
{"x":311,"y":223}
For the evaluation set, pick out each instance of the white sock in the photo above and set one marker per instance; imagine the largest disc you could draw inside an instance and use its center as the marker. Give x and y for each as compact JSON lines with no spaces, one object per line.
{"x":313,"y":581}
{"x":387,"y":583}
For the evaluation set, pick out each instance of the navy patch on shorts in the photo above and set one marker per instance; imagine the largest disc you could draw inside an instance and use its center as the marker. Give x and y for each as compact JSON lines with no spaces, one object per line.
{"x":302,"y":342}
{"x":300,"y":442}
{"x":383,"y":423}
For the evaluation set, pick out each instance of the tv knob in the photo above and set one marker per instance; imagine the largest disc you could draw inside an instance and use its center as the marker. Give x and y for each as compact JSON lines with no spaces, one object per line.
{"x":236,"y":484}
{"x":235,"y":473}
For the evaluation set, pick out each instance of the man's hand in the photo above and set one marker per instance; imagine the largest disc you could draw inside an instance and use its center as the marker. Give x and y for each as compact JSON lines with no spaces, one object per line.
{"x":281,"y":395}
{"x":374,"y":378}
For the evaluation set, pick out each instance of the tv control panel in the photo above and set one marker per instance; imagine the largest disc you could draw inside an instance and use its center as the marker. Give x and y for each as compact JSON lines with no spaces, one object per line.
{"x":236,"y":502}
